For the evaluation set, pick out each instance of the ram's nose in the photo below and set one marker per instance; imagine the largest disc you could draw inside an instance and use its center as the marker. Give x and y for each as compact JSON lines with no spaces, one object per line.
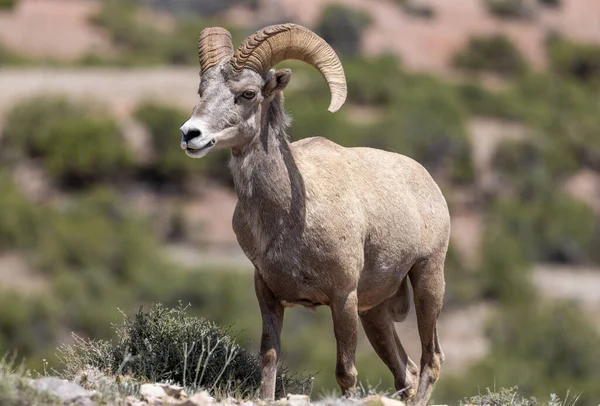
{"x":188,"y":134}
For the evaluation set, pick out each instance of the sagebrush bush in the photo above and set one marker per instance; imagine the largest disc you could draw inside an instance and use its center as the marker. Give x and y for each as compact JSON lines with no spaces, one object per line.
{"x":549,"y":227}
{"x":570,"y":59}
{"x":77,"y":142}
{"x":562,"y":113}
{"x":515,"y":157}
{"x":482,"y":102}
{"x":140,"y":42}
{"x":9,"y":56}
{"x":19,"y":220}
{"x":464,"y":285}
{"x":508,"y":8}
{"x":494,"y":54}
{"x":418,"y":9}
{"x":428,"y":124}
{"x":86,"y":150}
{"x":342,"y":28}
{"x":163,"y":344}
{"x":551,"y":3}
{"x":499,"y":397}
{"x":375,"y":82}
{"x":8,"y":4}
{"x":27,"y":122}
{"x":544,"y":347}
{"x":504,"y":271}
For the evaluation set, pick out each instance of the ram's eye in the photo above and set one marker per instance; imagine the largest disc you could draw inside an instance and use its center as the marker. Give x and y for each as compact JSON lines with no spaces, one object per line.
{"x":249,"y":94}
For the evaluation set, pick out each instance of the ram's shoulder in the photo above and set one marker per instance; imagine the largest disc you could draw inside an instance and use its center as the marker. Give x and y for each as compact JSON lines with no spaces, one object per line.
{"x":316,"y":144}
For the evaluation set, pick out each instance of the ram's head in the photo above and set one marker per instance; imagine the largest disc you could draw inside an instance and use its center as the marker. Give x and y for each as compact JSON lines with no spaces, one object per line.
{"x":236,"y":89}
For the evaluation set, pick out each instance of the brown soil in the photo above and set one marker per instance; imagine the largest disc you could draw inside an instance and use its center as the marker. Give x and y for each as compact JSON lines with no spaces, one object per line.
{"x":428,"y":45}
{"x":53,"y":29}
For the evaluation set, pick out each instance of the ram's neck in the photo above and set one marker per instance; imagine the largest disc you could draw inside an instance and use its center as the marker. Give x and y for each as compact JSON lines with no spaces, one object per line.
{"x":267,"y":181}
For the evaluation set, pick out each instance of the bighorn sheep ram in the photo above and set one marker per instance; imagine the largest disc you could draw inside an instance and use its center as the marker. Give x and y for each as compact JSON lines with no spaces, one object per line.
{"x":322,"y":224}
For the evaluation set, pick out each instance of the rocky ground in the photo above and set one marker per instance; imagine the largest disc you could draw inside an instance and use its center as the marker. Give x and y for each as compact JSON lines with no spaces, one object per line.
{"x":155,"y":394}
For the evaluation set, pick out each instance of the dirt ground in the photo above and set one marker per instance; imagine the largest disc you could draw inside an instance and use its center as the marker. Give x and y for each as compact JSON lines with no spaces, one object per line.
{"x":428,"y":45}
{"x":53,"y":29}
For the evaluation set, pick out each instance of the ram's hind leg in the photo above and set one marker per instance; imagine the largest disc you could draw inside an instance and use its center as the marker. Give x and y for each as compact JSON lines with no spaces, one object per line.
{"x":427,"y":280}
{"x":378,"y":323}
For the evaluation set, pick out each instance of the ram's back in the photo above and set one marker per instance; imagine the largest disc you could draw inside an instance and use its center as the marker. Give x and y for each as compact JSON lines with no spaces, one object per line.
{"x":390,"y":198}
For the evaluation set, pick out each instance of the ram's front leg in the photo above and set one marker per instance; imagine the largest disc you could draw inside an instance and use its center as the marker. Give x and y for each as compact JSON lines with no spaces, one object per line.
{"x":272,"y":320}
{"x":344,"y":310}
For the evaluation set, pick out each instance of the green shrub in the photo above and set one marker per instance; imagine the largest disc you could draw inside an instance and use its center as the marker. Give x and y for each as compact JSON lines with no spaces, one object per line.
{"x":27,"y":123}
{"x":548,"y":227}
{"x":462,"y":283}
{"x":481,"y":102}
{"x":342,"y":28}
{"x":99,"y":231}
{"x":513,"y":158}
{"x":10,"y":57}
{"x":205,"y":8}
{"x":84,"y":150}
{"x":563,"y":112}
{"x":376,"y":82}
{"x":578,"y":61}
{"x":19,"y":219}
{"x":428,"y":124}
{"x":501,"y":397}
{"x":77,"y":143}
{"x":141,"y":42}
{"x":504,"y":271}
{"x":417,"y":9}
{"x":508,"y":8}
{"x":544,"y":347}
{"x":494,"y":54}
{"x":28,"y":325}
{"x":167,"y":344}
{"x":310,"y":117}
{"x":8,"y":4}
{"x":550,"y":3}
{"x":544,"y":162}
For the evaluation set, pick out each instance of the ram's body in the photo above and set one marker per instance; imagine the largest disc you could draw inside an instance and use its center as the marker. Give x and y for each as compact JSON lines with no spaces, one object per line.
{"x":322,"y":224}
{"x":356,"y":217}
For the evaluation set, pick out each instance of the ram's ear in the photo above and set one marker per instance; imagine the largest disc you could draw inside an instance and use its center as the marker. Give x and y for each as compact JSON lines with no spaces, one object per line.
{"x":276,"y":81}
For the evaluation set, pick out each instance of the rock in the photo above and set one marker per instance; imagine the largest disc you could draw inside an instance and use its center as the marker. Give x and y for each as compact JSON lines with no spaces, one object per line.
{"x":160,"y":393}
{"x":67,"y":392}
{"x":378,"y":400}
{"x":152,"y":393}
{"x":298,"y":400}
{"x":174,"y":391}
{"x":133,"y":401}
{"x":198,"y":399}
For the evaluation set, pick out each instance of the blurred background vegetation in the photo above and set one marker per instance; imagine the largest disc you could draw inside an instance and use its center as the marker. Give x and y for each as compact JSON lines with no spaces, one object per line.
{"x":100,"y":211}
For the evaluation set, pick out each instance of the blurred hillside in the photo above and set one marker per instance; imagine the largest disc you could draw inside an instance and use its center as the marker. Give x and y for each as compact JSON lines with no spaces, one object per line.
{"x":100,"y":210}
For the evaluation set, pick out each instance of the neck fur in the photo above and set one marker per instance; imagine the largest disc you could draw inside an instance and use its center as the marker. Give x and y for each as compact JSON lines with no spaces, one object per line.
{"x":267,"y":181}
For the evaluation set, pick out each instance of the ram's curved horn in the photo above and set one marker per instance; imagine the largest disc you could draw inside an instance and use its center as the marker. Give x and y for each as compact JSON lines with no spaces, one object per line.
{"x":214,"y":44}
{"x":267,"y":47}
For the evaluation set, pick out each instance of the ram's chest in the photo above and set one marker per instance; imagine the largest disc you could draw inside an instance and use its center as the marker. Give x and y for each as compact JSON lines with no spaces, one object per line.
{"x":289,"y":264}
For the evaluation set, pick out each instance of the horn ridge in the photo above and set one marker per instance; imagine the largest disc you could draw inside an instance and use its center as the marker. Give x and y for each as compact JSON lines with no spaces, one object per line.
{"x":267,"y":47}
{"x":214,"y":44}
